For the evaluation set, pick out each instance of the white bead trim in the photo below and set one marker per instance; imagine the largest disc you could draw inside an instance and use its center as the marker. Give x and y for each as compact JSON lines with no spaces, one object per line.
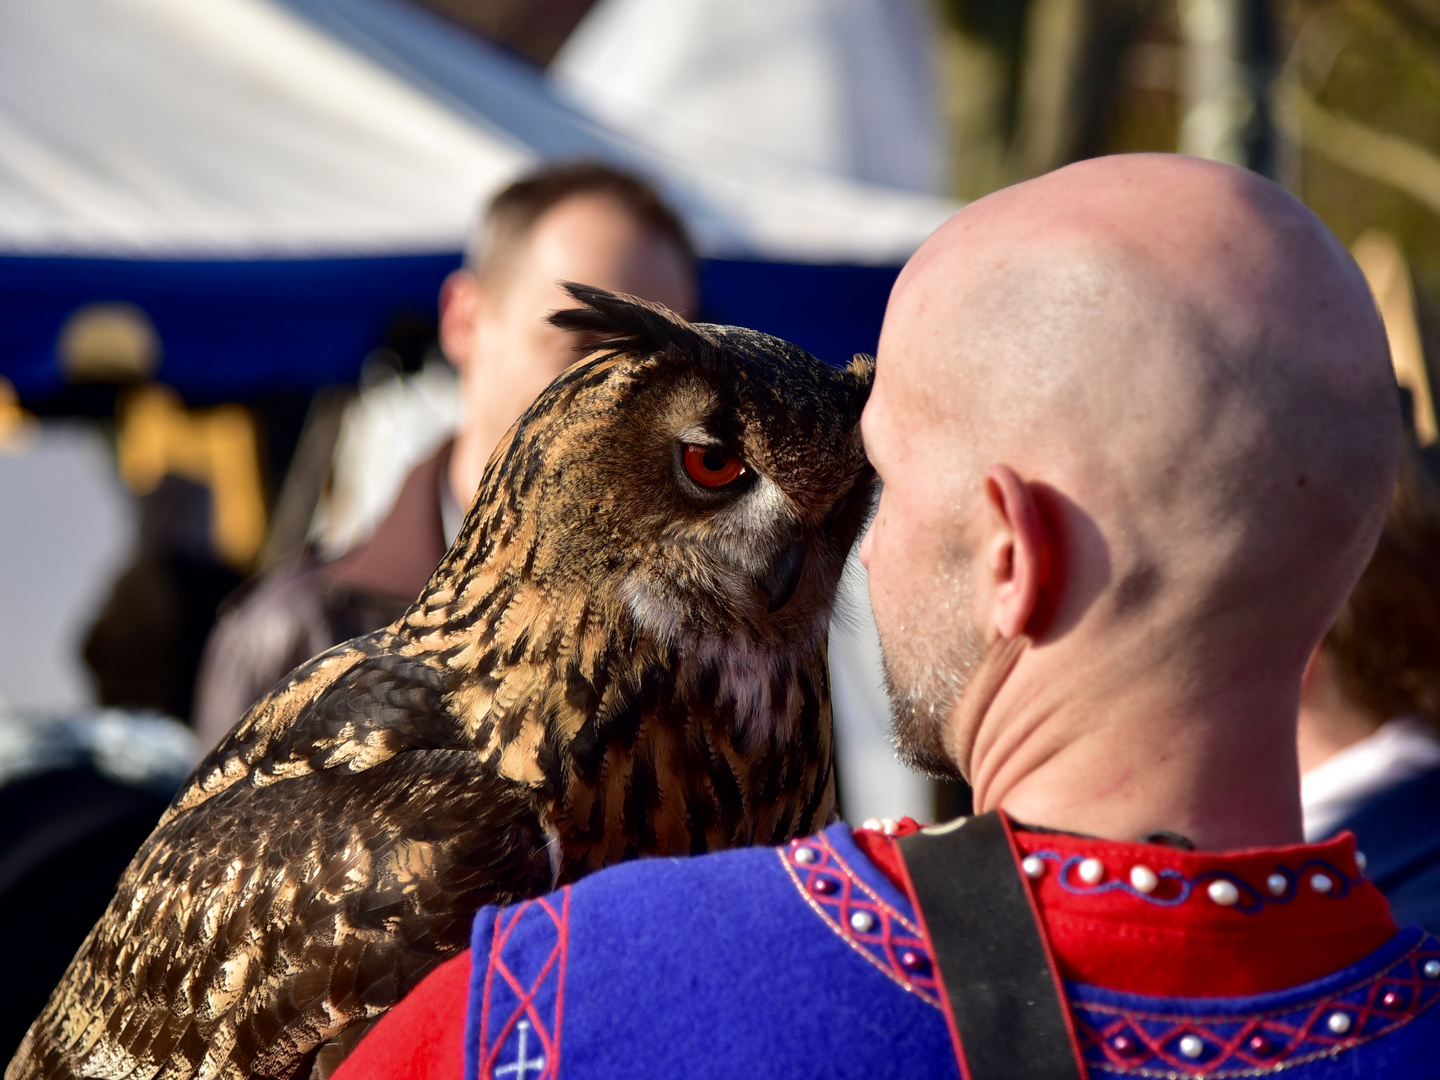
{"x":1223,"y":893}
{"x":1192,"y":1046}
{"x":1143,"y":879}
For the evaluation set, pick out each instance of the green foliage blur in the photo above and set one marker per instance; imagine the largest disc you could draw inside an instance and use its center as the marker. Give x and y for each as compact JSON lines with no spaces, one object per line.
{"x":1342,"y":100}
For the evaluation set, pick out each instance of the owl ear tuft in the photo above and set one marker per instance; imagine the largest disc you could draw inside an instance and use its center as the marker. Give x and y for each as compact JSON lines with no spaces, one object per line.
{"x":624,"y":323}
{"x":862,"y":369}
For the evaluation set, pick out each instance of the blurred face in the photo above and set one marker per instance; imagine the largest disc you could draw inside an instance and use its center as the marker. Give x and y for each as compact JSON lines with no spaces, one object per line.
{"x":495,"y":331}
{"x":916,"y":551}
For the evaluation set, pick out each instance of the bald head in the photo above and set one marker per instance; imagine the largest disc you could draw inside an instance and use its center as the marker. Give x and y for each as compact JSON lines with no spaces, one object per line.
{"x":1188,"y":372}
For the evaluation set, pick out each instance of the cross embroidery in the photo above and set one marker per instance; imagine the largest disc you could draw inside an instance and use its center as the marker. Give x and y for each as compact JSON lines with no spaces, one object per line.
{"x":522,"y":1066}
{"x":530,"y":1002}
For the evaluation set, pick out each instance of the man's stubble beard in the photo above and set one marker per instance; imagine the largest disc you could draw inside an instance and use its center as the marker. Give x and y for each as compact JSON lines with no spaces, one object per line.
{"x":929,"y":657}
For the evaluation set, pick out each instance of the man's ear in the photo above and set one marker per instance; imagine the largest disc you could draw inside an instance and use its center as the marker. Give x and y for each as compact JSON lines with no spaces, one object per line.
{"x":462,"y":298}
{"x":1018,"y":553}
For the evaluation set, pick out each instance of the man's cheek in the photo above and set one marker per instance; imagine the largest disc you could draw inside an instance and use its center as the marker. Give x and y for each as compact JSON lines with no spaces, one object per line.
{"x":886,"y":559}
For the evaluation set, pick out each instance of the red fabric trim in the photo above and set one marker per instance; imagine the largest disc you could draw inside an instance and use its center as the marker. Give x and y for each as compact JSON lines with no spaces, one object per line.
{"x":884,"y":854}
{"x":1196,"y":948}
{"x":908,"y":888}
{"x":1045,"y":944}
{"x":423,"y":1037}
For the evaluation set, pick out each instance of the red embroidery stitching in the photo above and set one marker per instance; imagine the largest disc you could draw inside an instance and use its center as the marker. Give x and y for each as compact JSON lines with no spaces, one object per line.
{"x":505,"y":922}
{"x":1289,"y":1037}
{"x":1148,"y":1043}
{"x":890,"y":937}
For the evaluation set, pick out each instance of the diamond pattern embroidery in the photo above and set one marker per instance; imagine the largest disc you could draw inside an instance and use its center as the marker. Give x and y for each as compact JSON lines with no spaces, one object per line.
{"x":860,"y":916}
{"x":1116,"y":1040}
{"x":521,"y":1011}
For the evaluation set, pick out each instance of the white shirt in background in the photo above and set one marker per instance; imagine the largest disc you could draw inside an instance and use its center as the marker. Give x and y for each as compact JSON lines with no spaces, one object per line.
{"x":1399,"y":749}
{"x":873,"y":782}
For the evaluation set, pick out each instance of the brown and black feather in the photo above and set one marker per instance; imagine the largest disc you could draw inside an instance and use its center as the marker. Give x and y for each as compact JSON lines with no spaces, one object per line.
{"x":611,"y":662}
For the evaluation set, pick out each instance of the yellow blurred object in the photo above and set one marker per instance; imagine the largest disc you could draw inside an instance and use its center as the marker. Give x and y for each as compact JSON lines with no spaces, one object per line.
{"x":17,"y":427}
{"x":217,"y":447}
{"x":108,"y":343}
{"x":1383,"y":263}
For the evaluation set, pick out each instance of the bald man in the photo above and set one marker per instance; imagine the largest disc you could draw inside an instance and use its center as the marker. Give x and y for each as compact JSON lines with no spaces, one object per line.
{"x":1137,"y":430}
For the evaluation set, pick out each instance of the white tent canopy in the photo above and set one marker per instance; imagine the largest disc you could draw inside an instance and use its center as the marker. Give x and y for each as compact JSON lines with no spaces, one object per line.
{"x":220,"y":126}
{"x":840,"y":86}
{"x":232,"y":128}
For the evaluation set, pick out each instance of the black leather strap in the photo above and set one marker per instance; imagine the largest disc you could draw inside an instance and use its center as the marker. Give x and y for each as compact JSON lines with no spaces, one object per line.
{"x":1008,"y":1015}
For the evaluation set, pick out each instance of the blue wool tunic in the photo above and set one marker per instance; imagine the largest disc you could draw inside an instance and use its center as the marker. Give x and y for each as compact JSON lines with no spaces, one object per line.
{"x":740,"y":964}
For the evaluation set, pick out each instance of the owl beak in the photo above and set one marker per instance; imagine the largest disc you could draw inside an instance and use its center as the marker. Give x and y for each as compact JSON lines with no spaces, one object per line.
{"x":784,"y":574}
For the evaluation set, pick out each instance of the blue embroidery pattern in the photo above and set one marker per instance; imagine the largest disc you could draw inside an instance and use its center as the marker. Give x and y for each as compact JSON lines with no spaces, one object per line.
{"x":1217,"y":1047}
{"x":1175,"y":888}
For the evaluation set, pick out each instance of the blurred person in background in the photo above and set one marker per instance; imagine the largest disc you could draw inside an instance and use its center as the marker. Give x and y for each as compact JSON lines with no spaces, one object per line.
{"x":1369,"y":733}
{"x":578,"y":222}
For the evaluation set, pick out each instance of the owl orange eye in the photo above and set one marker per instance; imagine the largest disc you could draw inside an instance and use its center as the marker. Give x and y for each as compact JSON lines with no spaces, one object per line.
{"x":712,"y":466}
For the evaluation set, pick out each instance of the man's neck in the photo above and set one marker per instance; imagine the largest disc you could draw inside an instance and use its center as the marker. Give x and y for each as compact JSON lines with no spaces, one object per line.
{"x":1133,"y":760}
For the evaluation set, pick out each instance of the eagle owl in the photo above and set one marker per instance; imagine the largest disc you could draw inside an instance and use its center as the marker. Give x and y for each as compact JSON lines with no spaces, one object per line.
{"x":622,"y":655}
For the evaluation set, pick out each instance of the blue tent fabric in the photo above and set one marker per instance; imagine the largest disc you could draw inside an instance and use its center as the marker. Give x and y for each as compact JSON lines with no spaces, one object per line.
{"x":227,"y":329}
{"x":231,"y":330}
{"x":831,"y":311}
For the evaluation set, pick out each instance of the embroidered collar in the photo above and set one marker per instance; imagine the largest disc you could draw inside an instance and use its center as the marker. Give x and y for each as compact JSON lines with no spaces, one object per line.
{"x":1126,"y":1035}
{"x":868,"y":910}
{"x":1154,"y":919}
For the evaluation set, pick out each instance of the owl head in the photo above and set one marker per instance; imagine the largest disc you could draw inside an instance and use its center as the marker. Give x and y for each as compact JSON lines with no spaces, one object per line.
{"x":713,"y":478}
{"x":636,"y":609}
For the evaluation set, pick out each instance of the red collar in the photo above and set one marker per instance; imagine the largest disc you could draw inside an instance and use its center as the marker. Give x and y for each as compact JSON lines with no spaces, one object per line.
{"x":1212,"y":925}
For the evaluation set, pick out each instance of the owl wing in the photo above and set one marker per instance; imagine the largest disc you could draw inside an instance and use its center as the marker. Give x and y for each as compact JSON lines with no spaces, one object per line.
{"x":282,"y":913}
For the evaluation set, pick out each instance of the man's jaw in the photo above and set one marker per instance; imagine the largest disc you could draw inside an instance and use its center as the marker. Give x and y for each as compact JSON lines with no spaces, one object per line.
{"x":917,"y":730}
{"x":923,"y":680}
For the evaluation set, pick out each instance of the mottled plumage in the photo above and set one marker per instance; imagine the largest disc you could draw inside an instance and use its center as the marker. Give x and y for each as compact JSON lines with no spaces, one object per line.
{"x":614,"y":660}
